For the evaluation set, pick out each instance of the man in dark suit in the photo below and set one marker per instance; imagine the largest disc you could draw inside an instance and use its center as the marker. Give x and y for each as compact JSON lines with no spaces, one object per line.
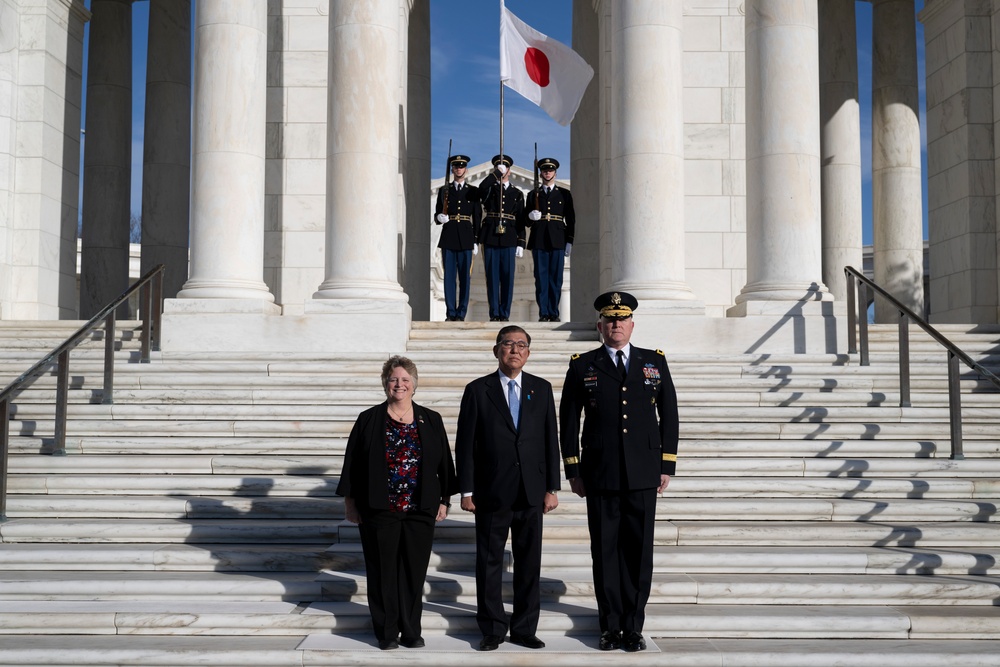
{"x":502,"y":235}
{"x":507,"y":456}
{"x":629,"y":452}
{"x":552,"y":221}
{"x":458,"y":210}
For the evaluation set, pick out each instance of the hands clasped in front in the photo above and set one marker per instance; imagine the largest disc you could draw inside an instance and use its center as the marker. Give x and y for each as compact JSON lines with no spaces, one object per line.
{"x":549,"y":503}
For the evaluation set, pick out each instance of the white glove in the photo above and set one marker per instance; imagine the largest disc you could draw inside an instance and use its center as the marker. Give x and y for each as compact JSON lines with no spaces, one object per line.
{"x":535,"y":215}
{"x":519,"y":252}
{"x":502,"y":168}
{"x":442,"y":218}
{"x":475,"y":249}
{"x":569,"y":249}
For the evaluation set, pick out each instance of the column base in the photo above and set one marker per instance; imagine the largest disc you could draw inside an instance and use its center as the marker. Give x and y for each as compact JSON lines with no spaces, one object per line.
{"x":777,"y":328}
{"x":341,"y":325}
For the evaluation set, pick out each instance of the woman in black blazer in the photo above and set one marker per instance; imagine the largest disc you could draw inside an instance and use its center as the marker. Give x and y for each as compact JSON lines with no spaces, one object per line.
{"x":397,"y":480}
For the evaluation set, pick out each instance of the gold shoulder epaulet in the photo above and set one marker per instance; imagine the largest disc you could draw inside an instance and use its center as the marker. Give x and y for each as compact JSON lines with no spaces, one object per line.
{"x":574,"y":357}
{"x":660,"y":352}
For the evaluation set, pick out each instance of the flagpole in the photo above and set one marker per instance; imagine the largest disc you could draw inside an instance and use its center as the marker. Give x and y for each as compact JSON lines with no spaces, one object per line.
{"x":501,"y":121}
{"x":502,"y":7}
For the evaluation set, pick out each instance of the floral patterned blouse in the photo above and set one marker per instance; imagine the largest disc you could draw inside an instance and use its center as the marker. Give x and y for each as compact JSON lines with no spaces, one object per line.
{"x":402,"y":459}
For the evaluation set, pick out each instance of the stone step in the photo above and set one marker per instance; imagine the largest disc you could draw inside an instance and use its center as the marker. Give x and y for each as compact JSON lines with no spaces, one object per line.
{"x":169,"y":531}
{"x":743,"y":559}
{"x":177,"y":507}
{"x":236,"y":530}
{"x":727,"y":463}
{"x":456,"y":362}
{"x":123,"y":482}
{"x":566,"y":586}
{"x":175,"y":619}
{"x":804,"y":508}
{"x":803,"y":420}
{"x":457,"y":650}
{"x":317,"y":448}
{"x":709,"y":589}
{"x":169,"y":557}
{"x":740,"y":393}
{"x":140,"y":585}
{"x":460,"y":557}
{"x":970,"y":535}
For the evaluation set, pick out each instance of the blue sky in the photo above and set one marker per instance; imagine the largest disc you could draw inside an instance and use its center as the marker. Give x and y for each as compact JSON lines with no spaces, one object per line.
{"x":465,"y":89}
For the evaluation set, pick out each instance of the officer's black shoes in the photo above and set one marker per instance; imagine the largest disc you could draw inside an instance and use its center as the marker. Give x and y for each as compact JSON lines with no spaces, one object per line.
{"x":610,"y":640}
{"x":388,"y":644}
{"x":633,"y":641}
{"x":490,"y":643}
{"x":413,"y":643}
{"x":527,"y":641}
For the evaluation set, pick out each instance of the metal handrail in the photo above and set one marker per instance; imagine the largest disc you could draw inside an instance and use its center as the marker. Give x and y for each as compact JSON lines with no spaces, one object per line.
{"x":857,"y":324}
{"x":150,"y":310}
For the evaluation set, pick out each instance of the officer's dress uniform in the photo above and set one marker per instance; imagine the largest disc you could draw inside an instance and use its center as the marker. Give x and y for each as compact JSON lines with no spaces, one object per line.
{"x":458,"y":235}
{"x":629,"y":439}
{"x":547,"y":244}
{"x":499,"y":246}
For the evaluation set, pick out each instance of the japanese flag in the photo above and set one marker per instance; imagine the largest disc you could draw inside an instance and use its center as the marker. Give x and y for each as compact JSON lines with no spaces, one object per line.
{"x":545,"y":71}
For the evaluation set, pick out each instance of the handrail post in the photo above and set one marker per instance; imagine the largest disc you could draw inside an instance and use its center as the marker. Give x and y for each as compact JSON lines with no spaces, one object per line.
{"x":852,"y":324}
{"x":146,"y":309}
{"x":863,"y":322}
{"x":62,"y":400}
{"x":109,"y":358}
{"x":156,"y":308}
{"x":904,"y":360}
{"x":955,"y":406}
{"x":4,"y":447}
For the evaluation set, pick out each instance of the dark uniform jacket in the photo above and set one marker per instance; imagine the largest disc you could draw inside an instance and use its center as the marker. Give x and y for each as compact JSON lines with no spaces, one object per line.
{"x":558,"y":222}
{"x":513,"y":210}
{"x":464,"y":216}
{"x":634,"y":424}
{"x":365,"y":476}
{"x":494,"y":459}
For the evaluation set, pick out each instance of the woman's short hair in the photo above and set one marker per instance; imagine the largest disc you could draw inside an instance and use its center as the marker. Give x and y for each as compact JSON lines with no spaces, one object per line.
{"x":398,"y":361}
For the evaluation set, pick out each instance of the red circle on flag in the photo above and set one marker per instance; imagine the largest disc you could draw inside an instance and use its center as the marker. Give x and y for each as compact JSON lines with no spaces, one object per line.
{"x":537,"y":64}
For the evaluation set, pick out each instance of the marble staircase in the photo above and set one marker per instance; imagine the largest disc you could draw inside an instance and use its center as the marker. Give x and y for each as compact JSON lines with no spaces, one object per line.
{"x":193,"y":521}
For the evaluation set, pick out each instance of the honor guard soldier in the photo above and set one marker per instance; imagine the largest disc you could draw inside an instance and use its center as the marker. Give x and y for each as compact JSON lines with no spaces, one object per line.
{"x":626,"y":457}
{"x":552,"y":221}
{"x":458,"y":210}
{"x":502,"y":235}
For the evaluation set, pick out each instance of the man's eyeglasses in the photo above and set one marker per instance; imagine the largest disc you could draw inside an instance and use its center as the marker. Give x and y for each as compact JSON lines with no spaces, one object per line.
{"x":511,"y":344}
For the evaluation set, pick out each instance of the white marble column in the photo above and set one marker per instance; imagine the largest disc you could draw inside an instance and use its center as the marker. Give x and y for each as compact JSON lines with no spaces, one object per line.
{"x":166,"y":171}
{"x":647,"y":148}
{"x":227,"y":192}
{"x":107,"y":157}
{"x":840,"y":143}
{"x":416,"y":257}
{"x":784,"y":237}
{"x":897,"y":222}
{"x":584,"y":151}
{"x":363,"y":130}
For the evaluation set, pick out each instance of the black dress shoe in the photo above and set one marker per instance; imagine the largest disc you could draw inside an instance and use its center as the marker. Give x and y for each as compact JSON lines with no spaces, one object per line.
{"x":490,"y":643}
{"x":610,"y":640}
{"x":633,"y":641}
{"x":413,"y":643}
{"x":388,"y":644}
{"x":527,"y":641}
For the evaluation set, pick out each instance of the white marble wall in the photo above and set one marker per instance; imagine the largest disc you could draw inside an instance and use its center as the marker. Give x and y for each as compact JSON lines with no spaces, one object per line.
{"x":41,"y":55}
{"x":962,"y":44}
{"x":714,"y":149}
{"x":9,"y":31}
{"x":295,"y":184}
